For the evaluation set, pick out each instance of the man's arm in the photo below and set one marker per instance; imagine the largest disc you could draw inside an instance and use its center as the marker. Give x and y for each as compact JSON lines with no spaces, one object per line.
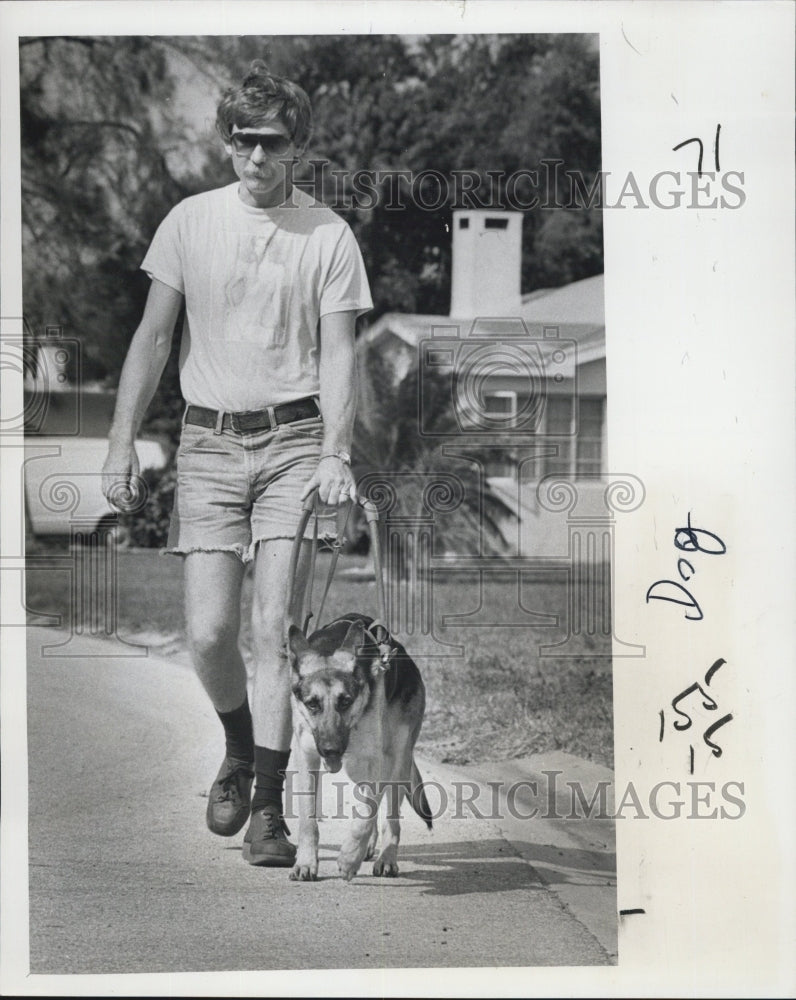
{"x":143,"y":366}
{"x":338,"y":380}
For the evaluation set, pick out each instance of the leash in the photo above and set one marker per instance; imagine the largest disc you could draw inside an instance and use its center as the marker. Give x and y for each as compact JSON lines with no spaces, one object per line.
{"x":378,"y":632}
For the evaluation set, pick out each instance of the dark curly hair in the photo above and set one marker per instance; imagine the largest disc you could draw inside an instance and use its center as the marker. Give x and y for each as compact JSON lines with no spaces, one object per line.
{"x":261,"y":98}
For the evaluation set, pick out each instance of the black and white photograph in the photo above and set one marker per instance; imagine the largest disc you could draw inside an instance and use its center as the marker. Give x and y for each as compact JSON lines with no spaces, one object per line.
{"x":392,"y":253}
{"x":377,"y":437}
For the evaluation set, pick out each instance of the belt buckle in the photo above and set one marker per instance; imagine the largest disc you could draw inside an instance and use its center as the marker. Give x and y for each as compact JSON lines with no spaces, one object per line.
{"x":236,"y":424}
{"x":253,"y":420}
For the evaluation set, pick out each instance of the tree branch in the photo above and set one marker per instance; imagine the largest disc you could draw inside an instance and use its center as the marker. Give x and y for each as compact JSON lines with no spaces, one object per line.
{"x":72,"y":39}
{"x":102,"y":123}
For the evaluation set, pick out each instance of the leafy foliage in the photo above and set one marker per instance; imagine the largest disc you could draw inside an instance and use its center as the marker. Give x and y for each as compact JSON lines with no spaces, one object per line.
{"x":111,"y":140}
{"x":391,"y":454}
{"x":116,"y":130}
{"x":149,"y":527}
{"x":94,"y":184}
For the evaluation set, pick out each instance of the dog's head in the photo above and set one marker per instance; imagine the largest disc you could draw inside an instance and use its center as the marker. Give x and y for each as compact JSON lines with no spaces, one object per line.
{"x":332,"y":686}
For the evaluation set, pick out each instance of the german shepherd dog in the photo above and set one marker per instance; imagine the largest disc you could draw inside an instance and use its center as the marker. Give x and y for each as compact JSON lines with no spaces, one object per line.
{"x":359,"y":704}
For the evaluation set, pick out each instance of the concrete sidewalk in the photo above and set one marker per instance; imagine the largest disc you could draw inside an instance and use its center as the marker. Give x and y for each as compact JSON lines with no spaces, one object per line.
{"x":124,"y":876}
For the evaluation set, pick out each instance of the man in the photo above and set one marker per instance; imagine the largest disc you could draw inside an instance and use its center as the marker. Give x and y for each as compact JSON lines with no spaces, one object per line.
{"x":272,"y":282}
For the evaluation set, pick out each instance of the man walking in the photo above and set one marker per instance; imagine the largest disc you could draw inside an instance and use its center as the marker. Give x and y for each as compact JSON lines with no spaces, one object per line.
{"x":272,"y":283}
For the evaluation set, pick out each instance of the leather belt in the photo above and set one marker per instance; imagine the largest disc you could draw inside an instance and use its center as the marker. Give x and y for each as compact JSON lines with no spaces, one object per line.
{"x":253,"y":420}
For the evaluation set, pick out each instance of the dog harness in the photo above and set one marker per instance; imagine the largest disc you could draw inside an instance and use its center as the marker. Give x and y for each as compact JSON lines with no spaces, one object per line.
{"x":378,"y":632}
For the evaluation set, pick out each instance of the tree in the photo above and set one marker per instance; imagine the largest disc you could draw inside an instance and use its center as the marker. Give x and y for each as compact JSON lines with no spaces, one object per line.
{"x":110,"y":143}
{"x":409,"y":470}
{"x":93,"y":180}
{"x":479,"y":103}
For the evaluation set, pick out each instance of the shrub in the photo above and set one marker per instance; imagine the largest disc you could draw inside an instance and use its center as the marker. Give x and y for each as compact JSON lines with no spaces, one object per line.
{"x":148,"y":527}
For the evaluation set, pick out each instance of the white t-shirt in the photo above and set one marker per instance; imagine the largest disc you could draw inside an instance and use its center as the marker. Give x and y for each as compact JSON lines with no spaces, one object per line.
{"x":256,"y":282}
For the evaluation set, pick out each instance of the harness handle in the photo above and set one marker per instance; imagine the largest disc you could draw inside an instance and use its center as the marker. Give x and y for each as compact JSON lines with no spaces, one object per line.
{"x":372,"y":517}
{"x":343,"y":516}
{"x":308,"y":508}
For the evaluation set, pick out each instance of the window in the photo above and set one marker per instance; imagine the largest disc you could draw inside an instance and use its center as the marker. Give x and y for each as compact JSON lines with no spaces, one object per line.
{"x":590,"y":437}
{"x":501,"y":405}
{"x":496,"y":223}
{"x":578,"y":449}
{"x":559,"y":417}
{"x":464,"y":223}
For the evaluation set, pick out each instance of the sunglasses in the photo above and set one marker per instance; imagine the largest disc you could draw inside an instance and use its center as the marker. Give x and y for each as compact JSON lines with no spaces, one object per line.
{"x":271,"y":143}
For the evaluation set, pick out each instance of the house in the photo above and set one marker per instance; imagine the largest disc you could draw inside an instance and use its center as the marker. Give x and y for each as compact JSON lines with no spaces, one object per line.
{"x":526,"y":375}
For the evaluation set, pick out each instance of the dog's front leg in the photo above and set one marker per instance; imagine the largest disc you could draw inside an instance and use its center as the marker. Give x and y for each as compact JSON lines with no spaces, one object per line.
{"x":374,"y":839}
{"x":306,"y":790}
{"x":358,"y":839}
{"x":386,"y":865}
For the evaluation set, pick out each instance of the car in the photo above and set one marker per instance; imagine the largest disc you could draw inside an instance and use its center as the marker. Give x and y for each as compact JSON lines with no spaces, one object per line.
{"x":66,"y":443}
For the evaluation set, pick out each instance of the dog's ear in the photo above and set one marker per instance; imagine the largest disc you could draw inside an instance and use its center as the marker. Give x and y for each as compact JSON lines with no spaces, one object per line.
{"x":297,"y":645}
{"x":354,"y":638}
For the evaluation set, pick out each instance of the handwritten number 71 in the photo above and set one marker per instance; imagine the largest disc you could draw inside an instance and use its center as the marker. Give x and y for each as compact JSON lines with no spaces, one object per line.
{"x":697,"y":140}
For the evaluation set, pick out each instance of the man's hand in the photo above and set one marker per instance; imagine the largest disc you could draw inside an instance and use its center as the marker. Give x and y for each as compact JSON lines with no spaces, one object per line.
{"x":334,"y":481}
{"x":120,"y":476}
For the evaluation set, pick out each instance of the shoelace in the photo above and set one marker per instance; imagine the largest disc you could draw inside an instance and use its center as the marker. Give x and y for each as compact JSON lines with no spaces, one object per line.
{"x":229,"y":784}
{"x":274,"y":825}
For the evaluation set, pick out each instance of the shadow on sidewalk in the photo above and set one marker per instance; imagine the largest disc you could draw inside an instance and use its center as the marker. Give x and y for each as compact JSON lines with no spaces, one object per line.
{"x":569,"y":865}
{"x":450,"y":869}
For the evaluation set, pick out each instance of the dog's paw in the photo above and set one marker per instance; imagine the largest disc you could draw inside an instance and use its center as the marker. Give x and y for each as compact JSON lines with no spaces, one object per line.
{"x":385,"y":869}
{"x":348,"y":869}
{"x":304,"y":873}
{"x":348,"y":862}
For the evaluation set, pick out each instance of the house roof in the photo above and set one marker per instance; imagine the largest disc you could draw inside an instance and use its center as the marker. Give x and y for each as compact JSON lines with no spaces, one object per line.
{"x":580,"y":303}
{"x":577,"y":310}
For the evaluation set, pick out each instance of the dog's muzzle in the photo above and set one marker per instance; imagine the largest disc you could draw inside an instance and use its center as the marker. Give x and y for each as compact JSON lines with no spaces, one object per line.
{"x":332,"y":762}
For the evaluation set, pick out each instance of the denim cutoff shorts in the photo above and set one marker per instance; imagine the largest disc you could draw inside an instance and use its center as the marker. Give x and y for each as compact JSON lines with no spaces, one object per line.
{"x":237,"y":489}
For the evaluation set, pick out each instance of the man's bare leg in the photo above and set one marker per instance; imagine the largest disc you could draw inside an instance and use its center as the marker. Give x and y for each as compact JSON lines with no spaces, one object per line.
{"x":271,"y":683}
{"x":265,"y":842}
{"x":213,"y":583}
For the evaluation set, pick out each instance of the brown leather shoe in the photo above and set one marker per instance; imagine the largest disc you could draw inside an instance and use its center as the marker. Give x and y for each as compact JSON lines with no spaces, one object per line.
{"x":266,"y":840}
{"x":229,"y":801}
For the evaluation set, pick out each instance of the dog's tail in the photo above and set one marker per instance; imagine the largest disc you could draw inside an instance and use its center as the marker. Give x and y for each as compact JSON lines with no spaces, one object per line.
{"x":417,"y":796}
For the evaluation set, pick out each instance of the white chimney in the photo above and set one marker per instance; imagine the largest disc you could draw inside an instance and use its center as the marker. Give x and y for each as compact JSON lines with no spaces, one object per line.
{"x":487,"y":259}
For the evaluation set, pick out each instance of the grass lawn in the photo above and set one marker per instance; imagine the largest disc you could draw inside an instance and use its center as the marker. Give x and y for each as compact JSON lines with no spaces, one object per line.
{"x":497,"y":698}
